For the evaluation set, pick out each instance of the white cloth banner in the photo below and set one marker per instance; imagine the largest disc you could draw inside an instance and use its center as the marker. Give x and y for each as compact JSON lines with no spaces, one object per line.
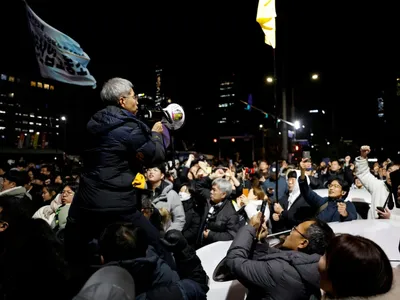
{"x":59,"y":57}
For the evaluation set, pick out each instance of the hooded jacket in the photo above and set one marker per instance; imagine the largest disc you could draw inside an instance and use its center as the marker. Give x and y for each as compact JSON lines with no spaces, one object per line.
{"x":167,"y":198}
{"x":285,"y":275}
{"x":118,"y":146}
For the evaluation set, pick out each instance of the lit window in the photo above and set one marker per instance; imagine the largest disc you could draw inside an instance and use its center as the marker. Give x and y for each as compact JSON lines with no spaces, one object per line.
{"x":31,"y":115}
{"x":52,"y":88}
{"x":3,"y":77}
{"x":2,"y":112}
{"x":39,"y":85}
{"x":46,"y":86}
{"x":2,"y":128}
{"x":33,"y":83}
{"x":11,"y":79}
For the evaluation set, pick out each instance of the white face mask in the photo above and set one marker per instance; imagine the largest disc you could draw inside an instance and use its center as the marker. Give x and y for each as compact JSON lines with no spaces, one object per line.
{"x":184,"y":196}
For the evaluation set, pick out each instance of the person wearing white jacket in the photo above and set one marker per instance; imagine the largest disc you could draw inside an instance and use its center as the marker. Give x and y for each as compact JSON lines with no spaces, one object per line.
{"x":378,"y":189}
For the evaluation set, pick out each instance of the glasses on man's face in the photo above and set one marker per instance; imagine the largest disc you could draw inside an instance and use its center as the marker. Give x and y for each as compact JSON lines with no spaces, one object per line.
{"x":298,"y":231}
{"x":134,"y":97}
{"x":68,"y":193}
{"x":335,"y":186}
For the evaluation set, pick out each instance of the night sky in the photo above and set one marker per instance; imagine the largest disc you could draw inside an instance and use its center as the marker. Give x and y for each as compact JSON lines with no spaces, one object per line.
{"x":354,"y":47}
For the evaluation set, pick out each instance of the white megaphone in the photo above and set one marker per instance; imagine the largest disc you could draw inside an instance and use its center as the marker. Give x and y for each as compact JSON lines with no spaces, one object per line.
{"x":174,"y":116}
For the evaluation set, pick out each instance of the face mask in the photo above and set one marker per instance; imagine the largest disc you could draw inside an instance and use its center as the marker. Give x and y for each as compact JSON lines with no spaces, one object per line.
{"x":184,"y":196}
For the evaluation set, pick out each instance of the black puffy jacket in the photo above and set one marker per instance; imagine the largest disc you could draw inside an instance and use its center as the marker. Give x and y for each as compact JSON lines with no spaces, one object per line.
{"x":118,"y":146}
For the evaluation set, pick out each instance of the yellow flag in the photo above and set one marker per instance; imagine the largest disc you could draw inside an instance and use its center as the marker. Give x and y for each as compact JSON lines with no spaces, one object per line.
{"x":266,"y":15}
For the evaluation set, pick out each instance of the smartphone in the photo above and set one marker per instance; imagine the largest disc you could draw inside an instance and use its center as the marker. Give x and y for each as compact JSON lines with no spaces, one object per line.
{"x":230,"y":162}
{"x":262,"y":210}
{"x":380,"y":208}
{"x":263,"y":207}
{"x":307,"y":154}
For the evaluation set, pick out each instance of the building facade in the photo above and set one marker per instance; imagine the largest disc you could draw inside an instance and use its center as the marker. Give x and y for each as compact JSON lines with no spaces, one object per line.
{"x":30,"y":115}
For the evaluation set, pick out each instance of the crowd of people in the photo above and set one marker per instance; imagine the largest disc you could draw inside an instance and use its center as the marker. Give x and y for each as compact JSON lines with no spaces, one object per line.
{"x":125,"y":222}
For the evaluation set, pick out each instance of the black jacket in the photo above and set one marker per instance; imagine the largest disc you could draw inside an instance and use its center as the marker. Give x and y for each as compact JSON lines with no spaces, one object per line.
{"x":192,"y":222}
{"x":298,"y":212}
{"x":286,"y":275}
{"x":118,"y":146}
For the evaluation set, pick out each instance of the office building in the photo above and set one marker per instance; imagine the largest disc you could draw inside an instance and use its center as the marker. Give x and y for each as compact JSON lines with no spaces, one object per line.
{"x":30,"y":116}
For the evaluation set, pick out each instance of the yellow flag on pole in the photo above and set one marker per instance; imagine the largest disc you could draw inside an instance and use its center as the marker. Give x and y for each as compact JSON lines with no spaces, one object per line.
{"x":266,"y":15}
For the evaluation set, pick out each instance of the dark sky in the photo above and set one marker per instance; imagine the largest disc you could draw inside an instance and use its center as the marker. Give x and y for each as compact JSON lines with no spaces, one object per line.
{"x":353,"y":46}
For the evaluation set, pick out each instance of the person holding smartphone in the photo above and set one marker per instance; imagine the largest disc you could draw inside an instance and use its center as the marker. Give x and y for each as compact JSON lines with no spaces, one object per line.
{"x":383,"y":202}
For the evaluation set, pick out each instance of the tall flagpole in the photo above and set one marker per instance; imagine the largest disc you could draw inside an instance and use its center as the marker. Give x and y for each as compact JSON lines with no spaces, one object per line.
{"x":266,"y":14}
{"x":276,"y":124}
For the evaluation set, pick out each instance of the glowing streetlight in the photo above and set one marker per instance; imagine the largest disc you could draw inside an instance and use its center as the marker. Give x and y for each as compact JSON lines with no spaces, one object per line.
{"x":270,"y":79}
{"x":296,"y":125}
{"x":233,"y":140}
{"x":314,"y":76}
{"x":261,"y":126}
{"x":312,"y":134}
{"x":63,"y":118}
{"x":215,"y":140}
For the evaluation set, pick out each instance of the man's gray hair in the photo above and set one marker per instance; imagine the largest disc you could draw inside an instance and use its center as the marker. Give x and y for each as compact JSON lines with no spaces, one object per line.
{"x":113,"y":89}
{"x":224,"y":185}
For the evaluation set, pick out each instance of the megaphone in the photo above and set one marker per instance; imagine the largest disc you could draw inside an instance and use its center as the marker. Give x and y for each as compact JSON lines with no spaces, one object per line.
{"x":174,"y":116}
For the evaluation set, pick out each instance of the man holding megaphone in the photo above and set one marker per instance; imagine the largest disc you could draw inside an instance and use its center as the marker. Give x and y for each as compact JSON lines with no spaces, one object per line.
{"x":119,"y":146}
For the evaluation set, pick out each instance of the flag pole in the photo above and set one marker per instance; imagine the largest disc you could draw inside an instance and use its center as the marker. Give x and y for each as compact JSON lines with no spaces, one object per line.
{"x":266,"y":15}
{"x":277,"y":171}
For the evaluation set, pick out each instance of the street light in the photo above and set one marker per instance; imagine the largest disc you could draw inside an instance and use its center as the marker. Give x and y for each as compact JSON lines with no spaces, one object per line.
{"x":296,"y":125}
{"x":215,"y":140}
{"x":314,"y":76}
{"x":261,"y":126}
{"x":233,"y":140}
{"x":64,"y":125}
{"x":270,"y":79}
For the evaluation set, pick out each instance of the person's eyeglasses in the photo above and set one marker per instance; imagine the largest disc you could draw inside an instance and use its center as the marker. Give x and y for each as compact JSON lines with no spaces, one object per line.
{"x":336,"y":186}
{"x":69,"y":193}
{"x":134,"y":97}
{"x":295,"y":229}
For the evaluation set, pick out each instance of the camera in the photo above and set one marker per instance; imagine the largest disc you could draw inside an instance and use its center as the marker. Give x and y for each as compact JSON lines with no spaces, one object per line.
{"x":150,"y":109}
